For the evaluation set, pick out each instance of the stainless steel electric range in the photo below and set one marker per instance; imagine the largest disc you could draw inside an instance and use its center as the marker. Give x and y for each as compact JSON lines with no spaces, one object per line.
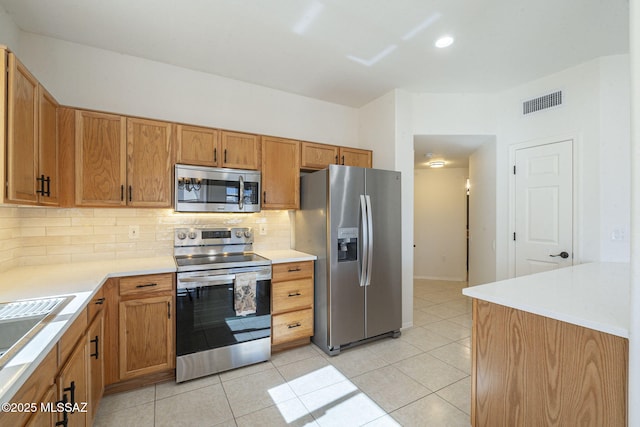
{"x":223,"y":301}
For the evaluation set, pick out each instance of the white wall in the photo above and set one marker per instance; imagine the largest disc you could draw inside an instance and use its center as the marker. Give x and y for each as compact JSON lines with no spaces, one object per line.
{"x":9,"y":32}
{"x":587,"y":119}
{"x":440,"y":224}
{"x":385,"y":127}
{"x":87,"y":77}
{"x":482,"y":214}
{"x":454,"y":114}
{"x":615,"y":159}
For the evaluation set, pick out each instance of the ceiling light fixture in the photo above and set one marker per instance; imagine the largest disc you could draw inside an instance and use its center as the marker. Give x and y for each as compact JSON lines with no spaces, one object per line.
{"x":436,"y":164}
{"x":444,"y":41}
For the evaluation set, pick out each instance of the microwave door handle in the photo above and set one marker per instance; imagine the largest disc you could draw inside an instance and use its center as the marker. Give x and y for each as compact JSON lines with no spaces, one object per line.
{"x":241,"y":195}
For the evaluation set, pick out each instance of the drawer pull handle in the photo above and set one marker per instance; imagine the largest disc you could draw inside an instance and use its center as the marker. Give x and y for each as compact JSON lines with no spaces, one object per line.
{"x":99,"y":301}
{"x":95,"y":341}
{"x":147,"y":285}
{"x":292,"y":270}
{"x":294,"y":325}
{"x":294,"y":294}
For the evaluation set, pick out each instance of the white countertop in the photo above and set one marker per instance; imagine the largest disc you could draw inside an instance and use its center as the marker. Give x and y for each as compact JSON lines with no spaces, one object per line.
{"x":82,"y":280}
{"x":594,"y":295}
{"x":286,"y":255}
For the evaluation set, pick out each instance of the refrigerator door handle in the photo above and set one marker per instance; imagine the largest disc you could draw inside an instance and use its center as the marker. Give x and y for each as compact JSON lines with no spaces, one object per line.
{"x":369,"y":240}
{"x":365,"y":242}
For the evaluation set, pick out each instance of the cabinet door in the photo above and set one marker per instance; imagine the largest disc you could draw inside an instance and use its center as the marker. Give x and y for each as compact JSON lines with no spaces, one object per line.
{"x":45,"y":418}
{"x":317,"y":156}
{"x":149,"y":162}
{"x":100,"y":159}
{"x":355,"y":157}
{"x":146,"y":336}
{"x":280,"y":173}
{"x":22,"y":134}
{"x":240,"y":150}
{"x":72,"y":383}
{"x":198,"y":146}
{"x":48,"y":148}
{"x":95,"y":353}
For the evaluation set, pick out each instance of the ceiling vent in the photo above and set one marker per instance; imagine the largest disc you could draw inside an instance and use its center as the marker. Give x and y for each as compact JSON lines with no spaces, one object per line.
{"x":542,"y":103}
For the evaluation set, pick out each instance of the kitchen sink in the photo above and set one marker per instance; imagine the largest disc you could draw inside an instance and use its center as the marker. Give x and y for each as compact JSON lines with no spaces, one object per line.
{"x":21,"y":320}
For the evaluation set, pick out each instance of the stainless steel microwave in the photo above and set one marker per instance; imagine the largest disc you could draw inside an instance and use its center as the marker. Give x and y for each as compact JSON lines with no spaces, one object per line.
{"x":206,"y":189}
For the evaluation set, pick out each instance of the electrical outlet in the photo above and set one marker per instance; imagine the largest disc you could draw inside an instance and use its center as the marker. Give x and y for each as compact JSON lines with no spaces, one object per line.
{"x":263,"y":229}
{"x":134,"y":231}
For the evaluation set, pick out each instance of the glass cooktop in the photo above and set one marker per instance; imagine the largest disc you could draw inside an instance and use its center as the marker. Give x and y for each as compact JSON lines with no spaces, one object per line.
{"x":210,"y":262}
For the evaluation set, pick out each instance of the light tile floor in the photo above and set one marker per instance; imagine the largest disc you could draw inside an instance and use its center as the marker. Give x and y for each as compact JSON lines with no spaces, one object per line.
{"x":420,"y":379}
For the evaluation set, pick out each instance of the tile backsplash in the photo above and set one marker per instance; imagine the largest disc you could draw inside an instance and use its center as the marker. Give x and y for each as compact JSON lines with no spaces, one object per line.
{"x":34,"y":235}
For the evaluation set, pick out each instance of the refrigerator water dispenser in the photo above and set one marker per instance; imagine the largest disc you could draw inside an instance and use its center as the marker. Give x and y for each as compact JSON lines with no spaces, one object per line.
{"x":347,"y":244}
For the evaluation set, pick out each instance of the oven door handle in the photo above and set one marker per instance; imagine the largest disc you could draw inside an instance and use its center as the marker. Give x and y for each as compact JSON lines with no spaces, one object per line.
{"x":209,"y":280}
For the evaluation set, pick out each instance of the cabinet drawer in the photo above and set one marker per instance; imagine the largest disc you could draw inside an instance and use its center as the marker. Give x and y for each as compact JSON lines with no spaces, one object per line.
{"x":71,"y":337}
{"x":96,"y":304}
{"x":292,"y":326}
{"x":151,"y":283}
{"x":292,"y":295}
{"x":292,"y":270}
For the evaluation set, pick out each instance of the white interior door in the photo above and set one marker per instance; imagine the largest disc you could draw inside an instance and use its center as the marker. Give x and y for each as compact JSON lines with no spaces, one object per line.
{"x":543,"y":207}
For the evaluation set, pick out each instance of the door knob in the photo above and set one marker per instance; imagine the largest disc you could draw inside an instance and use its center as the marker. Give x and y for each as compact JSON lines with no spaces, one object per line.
{"x":561,"y":255}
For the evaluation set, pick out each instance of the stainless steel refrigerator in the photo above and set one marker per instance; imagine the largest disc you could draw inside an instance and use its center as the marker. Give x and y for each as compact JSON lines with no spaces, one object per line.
{"x":349,"y":218}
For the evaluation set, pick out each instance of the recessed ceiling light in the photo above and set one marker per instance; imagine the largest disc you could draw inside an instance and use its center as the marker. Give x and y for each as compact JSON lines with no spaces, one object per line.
{"x":444,"y":41}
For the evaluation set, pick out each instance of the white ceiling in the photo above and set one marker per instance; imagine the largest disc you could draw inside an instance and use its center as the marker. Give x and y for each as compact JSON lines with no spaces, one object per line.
{"x":344,"y":51}
{"x":348,"y":52}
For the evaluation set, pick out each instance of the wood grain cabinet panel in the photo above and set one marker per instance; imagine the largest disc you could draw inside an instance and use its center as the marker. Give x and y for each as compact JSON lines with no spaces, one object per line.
{"x":529,"y":370}
{"x":292,"y":287}
{"x":355,"y":157}
{"x":72,"y":383}
{"x":146,"y":336}
{"x":198,"y":146}
{"x":96,"y":356}
{"x":48,"y":176}
{"x":100,"y":159}
{"x":315,"y":156}
{"x":33,"y":157}
{"x":240,"y":150}
{"x":280,"y":173}
{"x":149,"y":163}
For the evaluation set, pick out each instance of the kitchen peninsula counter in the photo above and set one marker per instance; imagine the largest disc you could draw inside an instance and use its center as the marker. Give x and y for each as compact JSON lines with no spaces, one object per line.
{"x":80,"y":280}
{"x":552,"y":348}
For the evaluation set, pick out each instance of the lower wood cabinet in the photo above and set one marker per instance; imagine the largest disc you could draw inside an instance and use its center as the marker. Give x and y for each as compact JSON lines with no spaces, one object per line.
{"x":140,"y":332}
{"x":124,"y":337}
{"x":291,"y":304}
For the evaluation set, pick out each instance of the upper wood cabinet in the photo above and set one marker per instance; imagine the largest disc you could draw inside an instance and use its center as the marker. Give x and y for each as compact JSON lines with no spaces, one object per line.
{"x":32,"y":139}
{"x":280,"y":173}
{"x":355,"y":157}
{"x":314,"y":156}
{"x":317,"y":156}
{"x":240,"y":150}
{"x":149,"y":163}
{"x":100,"y":159}
{"x":122,"y":161}
{"x":198,"y":146}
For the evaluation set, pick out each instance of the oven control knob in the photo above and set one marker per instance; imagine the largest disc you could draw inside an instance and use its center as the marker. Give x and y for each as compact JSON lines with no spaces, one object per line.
{"x":247,"y":234}
{"x":238,"y":233}
{"x":182,"y":235}
{"x":192,"y":234}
